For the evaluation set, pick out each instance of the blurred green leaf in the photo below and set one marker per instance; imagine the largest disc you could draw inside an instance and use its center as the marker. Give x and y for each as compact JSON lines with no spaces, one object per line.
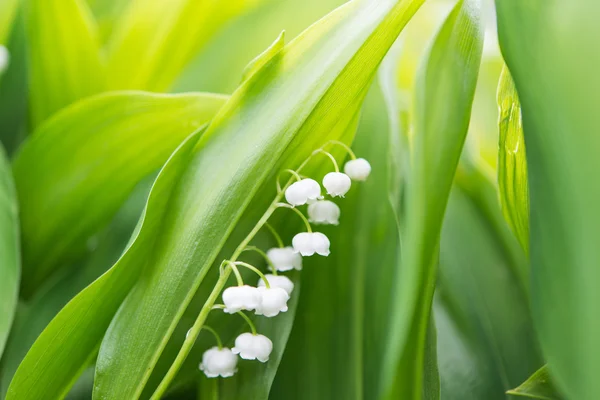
{"x":172,"y":31}
{"x":78,"y":168}
{"x":8,"y":10}
{"x":537,"y":386}
{"x":10,"y":268}
{"x":33,"y":316}
{"x":512,"y":163}
{"x":559,"y":89}
{"x":69,"y":343}
{"x":308,"y":93}
{"x":65,"y":63}
{"x":450,"y":72}
{"x":487,"y":344}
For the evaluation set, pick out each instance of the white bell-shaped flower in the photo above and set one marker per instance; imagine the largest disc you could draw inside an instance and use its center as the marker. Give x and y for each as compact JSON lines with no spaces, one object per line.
{"x":274,"y":301}
{"x":309,"y":243}
{"x":302,"y":192}
{"x":285,"y":259}
{"x":237,"y":298}
{"x":324,"y":212}
{"x":253,"y":347}
{"x":278,"y":281}
{"x":218,"y":362}
{"x":337,"y":184}
{"x":4,"y":58}
{"x":358,"y":170}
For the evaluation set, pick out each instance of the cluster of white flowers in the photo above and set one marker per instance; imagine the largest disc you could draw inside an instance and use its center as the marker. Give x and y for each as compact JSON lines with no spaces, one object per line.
{"x":270,"y":296}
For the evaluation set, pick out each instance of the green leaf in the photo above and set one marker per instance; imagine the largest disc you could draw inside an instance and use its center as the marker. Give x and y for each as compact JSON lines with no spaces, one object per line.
{"x":308,"y":93}
{"x":560,"y":118}
{"x":68,"y":344}
{"x":65,"y":63}
{"x":512,"y":163}
{"x":8,"y":10}
{"x":9,"y":249}
{"x":78,"y":168}
{"x":32,"y":317}
{"x":440,"y":128}
{"x":485,"y":330}
{"x":173,"y":32}
{"x":538,"y":386}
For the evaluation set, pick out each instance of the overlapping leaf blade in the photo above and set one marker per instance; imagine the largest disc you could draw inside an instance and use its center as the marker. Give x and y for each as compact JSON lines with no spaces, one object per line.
{"x":450,"y":72}
{"x":537,"y":386}
{"x":65,"y":63}
{"x":10,"y":263}
{"x":173,"y":31}
{"x":512,"y":162}
{"x":78,"y":168}
{"x":560,"y":120}
{"x":263,"y":119}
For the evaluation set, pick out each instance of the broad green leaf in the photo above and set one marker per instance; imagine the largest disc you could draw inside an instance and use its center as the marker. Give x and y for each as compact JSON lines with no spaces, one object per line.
{"x":65,"y":63}
{"x":172,"y":33}
{"x":33,"y":316}
{"x":559,"y":90}
{"x":308,"y":93}
{"x":74,"y":173}
{"x":512,"y":163}
{"x":440,"y":127}
{"x":537,"y":386}
{"x":486,"y":341}
{"x":68,"y":344}
{"x":8,"y":10}
{"x":10,"y":265}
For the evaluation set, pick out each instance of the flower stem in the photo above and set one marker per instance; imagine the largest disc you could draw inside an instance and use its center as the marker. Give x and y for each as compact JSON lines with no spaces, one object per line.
{"x":285,"y":205}
{"x":215,"y":334}
{"x":238,"y":276}
{"x":264,"y":255}
{"x":332,"y":158}
{"x":344,"y":145}
{"x":294,"y":174}
{"x":249,"y":321}
{"x":275,"y":235}
{"x":253,"y":268}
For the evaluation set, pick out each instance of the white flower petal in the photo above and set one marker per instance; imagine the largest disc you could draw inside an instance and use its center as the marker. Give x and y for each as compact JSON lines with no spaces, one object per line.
{"x":337,"y":183}
{"x":358,"y":170}
{"x":279,"y":281}
{"x":324,"y":212}
{"x":237,"y":298}
{"x":274,"y":301}
{"x":302,"y":244}
{"x":285,"y":259}
{"x":320,"y":243}
{"x":253,"y":347}
{"x":218,"y":362}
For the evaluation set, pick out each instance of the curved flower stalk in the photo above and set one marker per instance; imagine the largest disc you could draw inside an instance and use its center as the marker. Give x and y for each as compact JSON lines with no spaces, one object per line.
{"x":273,"y":291}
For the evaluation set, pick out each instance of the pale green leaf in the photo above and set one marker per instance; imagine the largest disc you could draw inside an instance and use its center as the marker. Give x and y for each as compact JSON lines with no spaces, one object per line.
{"x":8,"y":10}
{"x":173,"y":31}
{"x":440,"y":127}
{"x":512,"y":163}
{"x":545,"y":47}
{"x":65,"y":63}
{"x":10,"y":265}
{"x":67,"y":345}
{"x":537,"y":386}
{"x":76,"y":170}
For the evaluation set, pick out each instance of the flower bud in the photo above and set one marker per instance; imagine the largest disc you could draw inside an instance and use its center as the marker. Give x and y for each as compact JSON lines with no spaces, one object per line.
{"x":324,"y":212}
{"x":302,"y":192}
{"x":285,"y":259}
{"x":253,"y":347}
{"x":274,"y":301}
{"x":218,"y":362}
{"x":337,"y":184}
{"x":309,"y":243}
{"x":237,"y":298}
{"x":358,"y":170}
{"x":279,"y":281}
